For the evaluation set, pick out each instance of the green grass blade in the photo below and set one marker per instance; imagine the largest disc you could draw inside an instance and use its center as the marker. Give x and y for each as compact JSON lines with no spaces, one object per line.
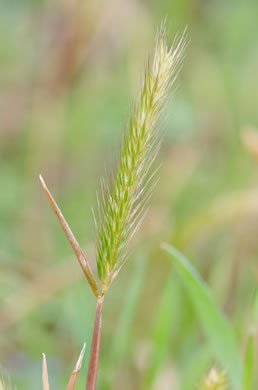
{"x":249,"y":367}
{"x":122,"y":340}
{"x":218,"y":331}
{"x":162,"y":331}
{"x":123,"y":334}
{"x":198,"y":364}
{"x":249,"y":364}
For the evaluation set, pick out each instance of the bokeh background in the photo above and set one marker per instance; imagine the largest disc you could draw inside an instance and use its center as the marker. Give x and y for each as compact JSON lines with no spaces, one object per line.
{"x":69,"y":72}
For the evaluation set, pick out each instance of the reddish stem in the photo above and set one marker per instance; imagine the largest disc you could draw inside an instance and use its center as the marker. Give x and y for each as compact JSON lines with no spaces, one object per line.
{"x":74,"y":243}
{"x":95,"y":348}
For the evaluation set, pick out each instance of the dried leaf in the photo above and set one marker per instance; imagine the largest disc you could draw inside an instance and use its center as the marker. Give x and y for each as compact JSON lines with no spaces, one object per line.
{"x":75,"y":373}
{"x":45,"y":374}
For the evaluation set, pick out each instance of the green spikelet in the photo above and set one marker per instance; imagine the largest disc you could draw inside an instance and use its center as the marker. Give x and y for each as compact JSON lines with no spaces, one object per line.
{"x":215,"y":381}
{"x":121,"y":208}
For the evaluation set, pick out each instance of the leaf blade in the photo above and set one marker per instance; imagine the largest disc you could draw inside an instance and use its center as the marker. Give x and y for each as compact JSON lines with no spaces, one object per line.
{"x":76,"y":371}
{"x":72,"y":240}
{"x":217,"y":329}
{"x":45,"y":374}
{"x":249,"y":362}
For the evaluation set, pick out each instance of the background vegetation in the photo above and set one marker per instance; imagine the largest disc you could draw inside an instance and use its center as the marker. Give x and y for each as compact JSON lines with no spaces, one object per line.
{"x":69,"y":73}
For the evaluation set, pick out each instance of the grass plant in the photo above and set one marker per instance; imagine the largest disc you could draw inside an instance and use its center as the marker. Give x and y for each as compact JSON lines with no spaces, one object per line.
{"x":121,"y":209}
{"x":121,"y":205}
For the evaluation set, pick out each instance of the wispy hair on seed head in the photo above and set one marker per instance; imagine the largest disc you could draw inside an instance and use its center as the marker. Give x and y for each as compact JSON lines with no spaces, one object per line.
{"x":122,"y":205}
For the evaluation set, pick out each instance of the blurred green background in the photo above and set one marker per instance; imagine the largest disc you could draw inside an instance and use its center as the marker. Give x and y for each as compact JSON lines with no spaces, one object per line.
{"x":69,"y":71}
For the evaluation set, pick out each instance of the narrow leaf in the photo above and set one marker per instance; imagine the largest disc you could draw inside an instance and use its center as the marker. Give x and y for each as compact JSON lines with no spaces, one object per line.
{"x":196,"y":367}
{"x":217,"y":329}
{"x":75,"y":373}
{"x":74,"y":243}
{"x":249,"y":368}
{"x":45,"y":374}
{"x":129,"y":308}
{"x":162,"y":330}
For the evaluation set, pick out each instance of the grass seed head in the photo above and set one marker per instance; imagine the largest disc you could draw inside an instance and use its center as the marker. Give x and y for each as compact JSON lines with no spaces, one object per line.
{"x":122,"y":205}
{"x":215,"y":381}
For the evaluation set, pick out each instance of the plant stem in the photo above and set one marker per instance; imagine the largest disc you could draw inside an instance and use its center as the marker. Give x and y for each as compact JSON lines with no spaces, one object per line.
{"x":95,"y":347}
